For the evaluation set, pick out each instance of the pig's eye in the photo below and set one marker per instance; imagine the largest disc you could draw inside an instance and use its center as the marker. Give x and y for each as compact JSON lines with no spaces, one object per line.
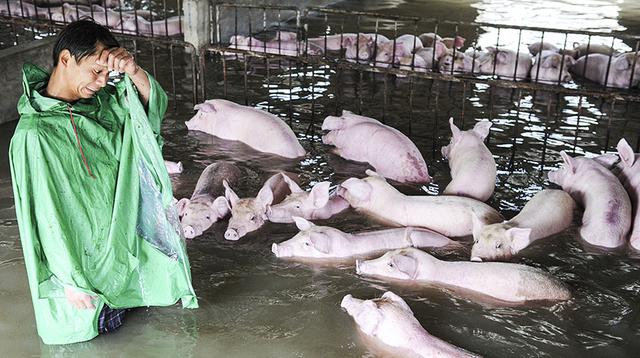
{"x":252,"y":218}
{"x":208,"y":217}
{"x":475,"y":241}
{"x":498,"y":245}
{"x":185,"y":214}
{"x":390,"y":264}
{"x":307,"y":244}
{"x":297,"y":206}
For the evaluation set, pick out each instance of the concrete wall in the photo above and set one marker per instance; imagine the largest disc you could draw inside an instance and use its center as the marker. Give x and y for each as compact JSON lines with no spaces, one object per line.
{"x":11,"y":61}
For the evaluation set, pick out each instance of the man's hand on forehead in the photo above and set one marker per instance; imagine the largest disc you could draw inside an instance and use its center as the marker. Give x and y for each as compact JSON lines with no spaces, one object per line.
{"x":118,"y":59}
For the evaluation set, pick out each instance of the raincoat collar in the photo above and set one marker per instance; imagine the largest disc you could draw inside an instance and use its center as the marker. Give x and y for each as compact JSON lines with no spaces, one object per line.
{"x":35,"y":80}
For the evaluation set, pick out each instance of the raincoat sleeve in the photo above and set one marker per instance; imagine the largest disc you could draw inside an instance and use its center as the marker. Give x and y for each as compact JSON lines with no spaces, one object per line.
{"x":50,"y":258}
{"x":156,"y":107}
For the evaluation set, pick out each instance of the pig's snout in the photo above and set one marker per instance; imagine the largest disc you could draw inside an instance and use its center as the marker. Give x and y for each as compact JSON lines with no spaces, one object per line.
{"x":358,"y":264}
{"x":231,"y":234}
{"x":274,"y":249}
{"x":346,"y":302}
{"x":189,"y":232}
{"x":476,"y":259}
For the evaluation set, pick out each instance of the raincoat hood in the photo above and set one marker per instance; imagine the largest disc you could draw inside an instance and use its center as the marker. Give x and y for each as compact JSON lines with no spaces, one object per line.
{"x":94,"y":205}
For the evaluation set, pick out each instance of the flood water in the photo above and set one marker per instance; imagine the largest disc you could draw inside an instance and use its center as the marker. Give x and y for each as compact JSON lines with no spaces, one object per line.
{"x":255,"y":305}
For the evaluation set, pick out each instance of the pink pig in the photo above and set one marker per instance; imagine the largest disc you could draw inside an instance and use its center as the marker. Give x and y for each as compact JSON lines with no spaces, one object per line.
{"x":473,"y":169}
{"x":630,"y":177}
{"x":607,"y":209}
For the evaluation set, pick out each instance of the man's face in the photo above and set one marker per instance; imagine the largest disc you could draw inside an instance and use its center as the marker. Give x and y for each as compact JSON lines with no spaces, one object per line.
{"x":86,"y":77}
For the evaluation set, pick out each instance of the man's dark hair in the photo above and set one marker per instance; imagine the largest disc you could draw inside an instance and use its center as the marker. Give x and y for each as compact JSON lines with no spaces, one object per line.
{"x":80,"y":38}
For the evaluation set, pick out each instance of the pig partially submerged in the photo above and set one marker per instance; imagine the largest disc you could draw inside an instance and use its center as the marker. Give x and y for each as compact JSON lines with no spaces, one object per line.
{"x":315,"y":204}
{"x":364,"y":139}
{"x":620,"y":70}
{"x":504,"y":63}
{"x":207,"y":204}
{"x":503,"y":281}
{"x":448,"y":215}
{"x":323,"y":242}
{"x":629,"y":175}
{"x":249,"y":214}
{"x":551,"y":67}
{"x":390,"y":320}
{"x":547,"y":213}
{"x":607,"y":209}
{"x":258,"y":129}
{"x":473,"y":169}
{"x":356,"y":46}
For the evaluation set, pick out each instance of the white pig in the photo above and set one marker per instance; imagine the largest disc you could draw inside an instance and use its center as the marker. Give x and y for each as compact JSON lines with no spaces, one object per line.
{"x":207,"y":204}
{"x":547,"y":213}
{"x":551,"y":67}
{"x":258,"y":129}
{"x":504,"y":63}
{"x":594,"y":68}
{"x":312,"y":205}
{"x":249,"y":214}
{"x":607,"y":209}
{"x":630,"y":177}
{"x":448,"y":215}
{"x":473,"y":169}
{"x":503,"y":281}
{"x":390,"y":320}
{"x":365,"y":139}
{"x":323,"y":242}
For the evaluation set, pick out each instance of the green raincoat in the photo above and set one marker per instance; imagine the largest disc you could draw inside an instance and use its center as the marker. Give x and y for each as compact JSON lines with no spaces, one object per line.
{"x":94,"y":206}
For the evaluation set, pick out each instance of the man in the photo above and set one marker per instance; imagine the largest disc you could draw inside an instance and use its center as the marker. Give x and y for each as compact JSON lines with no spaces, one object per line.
{"x":93,"y":199}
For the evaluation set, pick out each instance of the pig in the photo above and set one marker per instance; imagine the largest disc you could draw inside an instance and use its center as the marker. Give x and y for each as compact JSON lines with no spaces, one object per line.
{"x":549,"y":212}
{"x":365,"y":139}
{"x":430,"y":57}
{"x":429,"y":38}
{"x":356,"y":45}
{"x":629,"y":174}
{"x":323,"y":242}
{"x":413,"y":63}
{"x":249,"y":214}
{"x":502,"y":63}
{"x":580,"y":50}
{"x":207,"y":204}
{"x":537,"y":47}
{"x":607,"y":208}
{"x":390,"y":320}
{"x":507,"y":282}
{"x":447,"y":215}
{"x":313,"y":205}
{"x":473,"y":169}
{"x":258,"y":129}
{"x":173,"y":167}
{"x":551,"y":67}
{"x":391,"y":52}
{"x":594,"y":68}
{"x":454,"y":62}
{"x":275,"y":46}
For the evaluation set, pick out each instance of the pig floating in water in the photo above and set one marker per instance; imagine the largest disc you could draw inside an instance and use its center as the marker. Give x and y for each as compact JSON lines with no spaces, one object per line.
{"x":207,"y":204}
{"x":173,"y":167}
{"x":594,"y":68}
{"x":503,"y":281}
{"x":446,"y":214}
{"x":473,"y":169}
{"x":356,"y":45}
{"x":258,"y":129}
{"x":390,"y":320}
{"x":323,"y":242}
{"x":249,"y":214}
{"x":551,"y":67}
{"x":607,"y":208}
{"x":503,"y":63}
{"x":630,"y":177}
{"x":364,"y":139}
{"x":547,"y":213}
{"x":315,"y":204}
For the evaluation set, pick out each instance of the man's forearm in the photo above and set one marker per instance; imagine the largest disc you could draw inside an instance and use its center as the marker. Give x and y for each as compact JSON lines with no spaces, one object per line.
{"x":141,"y":81}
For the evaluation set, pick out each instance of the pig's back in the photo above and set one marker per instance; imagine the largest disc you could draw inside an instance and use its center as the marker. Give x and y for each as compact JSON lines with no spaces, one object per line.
{"x":210,"y":181}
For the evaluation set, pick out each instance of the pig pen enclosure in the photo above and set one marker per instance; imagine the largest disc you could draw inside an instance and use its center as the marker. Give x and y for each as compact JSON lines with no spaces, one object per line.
{"x":254,"y":304}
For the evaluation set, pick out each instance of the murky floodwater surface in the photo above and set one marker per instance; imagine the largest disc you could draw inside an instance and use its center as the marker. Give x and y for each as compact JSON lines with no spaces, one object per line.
{"x":255,"y":305}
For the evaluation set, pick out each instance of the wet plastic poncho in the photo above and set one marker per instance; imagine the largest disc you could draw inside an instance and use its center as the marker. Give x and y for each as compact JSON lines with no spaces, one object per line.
{"x":93,"y":202}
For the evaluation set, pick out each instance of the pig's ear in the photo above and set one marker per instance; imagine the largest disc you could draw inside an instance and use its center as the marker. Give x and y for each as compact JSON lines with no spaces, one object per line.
{"x":302,"y":223}
{"x":569,"y":60}
{"x":293,"y":186}
{"x":458,"y":42}
{"x":481,"y":129}
{"x":221,"y":206}
{"x":319,"y":194}
{"x":441,"y":49}
{"x":397,"y":299}
{"x":519,"y":238}
{"x":624,"y":62}
{"x":231,"y":195}
{"x":374,"y":316}
{"x":206,"y":107}
{"x":552,"y":61}
{"x":406,"y":264}
{"x":477,"y":225}
{"x":502,"y":57}
{"x":568,"y":161}
{"x":606,"y":160}
{"x":332,"y":123}
{"x":626,"y":153}
{"x":455,"y":131}
{"x":181,"y":205}
{"x":265,"y":196}
{"x":320,"y":242}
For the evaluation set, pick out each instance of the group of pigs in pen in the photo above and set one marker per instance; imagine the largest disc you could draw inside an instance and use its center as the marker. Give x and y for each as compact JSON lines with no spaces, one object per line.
{"x":141,"y":22}
{"x":607,"y":191}
{"x":545,"y":63}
